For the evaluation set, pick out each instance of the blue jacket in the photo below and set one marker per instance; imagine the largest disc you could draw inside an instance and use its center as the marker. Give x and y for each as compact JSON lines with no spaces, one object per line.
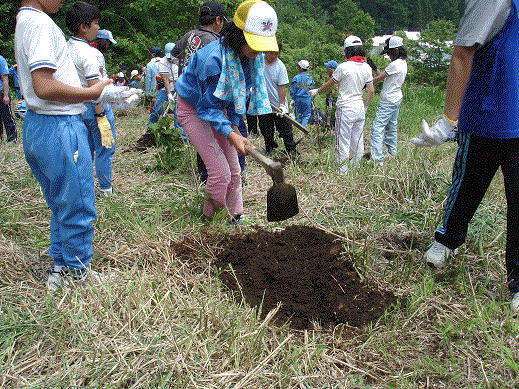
{"x":301,"y":83}
{"x":4,"y":71}
{"x":198,"y":82}
{"x":490,"y":105}
{"x":14,"y":73}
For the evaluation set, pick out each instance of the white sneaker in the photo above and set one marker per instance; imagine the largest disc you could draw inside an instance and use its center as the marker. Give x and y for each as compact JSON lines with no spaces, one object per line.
{"x":514,"y":304}
{"x":62,"y":278}
{"x":438,"y":254}
{"x":106,"y":192}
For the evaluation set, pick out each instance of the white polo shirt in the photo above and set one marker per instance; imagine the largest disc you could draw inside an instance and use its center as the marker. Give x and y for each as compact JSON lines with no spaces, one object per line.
{"x":100,"y":58}
{"x":40,"y":43}
{"x":169,"y":68}
{"x":352,"y":77}
{"x":392,"y":89}
{"x":85,"y":60}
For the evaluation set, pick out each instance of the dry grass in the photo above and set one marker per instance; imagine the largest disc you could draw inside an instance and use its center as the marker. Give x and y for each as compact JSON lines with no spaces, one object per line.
{"x":168,"y":322}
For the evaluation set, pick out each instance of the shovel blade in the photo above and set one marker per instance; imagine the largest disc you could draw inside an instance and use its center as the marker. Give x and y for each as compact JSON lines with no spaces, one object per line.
{"x":281,"y":202}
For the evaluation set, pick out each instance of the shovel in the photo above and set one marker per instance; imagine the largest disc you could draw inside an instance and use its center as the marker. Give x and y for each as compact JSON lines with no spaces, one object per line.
{"x":294,"y":122}
{"x":281,"y":197}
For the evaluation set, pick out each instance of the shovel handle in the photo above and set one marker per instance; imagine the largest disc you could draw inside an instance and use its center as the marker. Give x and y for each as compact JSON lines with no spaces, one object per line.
{"x":294,"y":122}
{"x":274,"y":169}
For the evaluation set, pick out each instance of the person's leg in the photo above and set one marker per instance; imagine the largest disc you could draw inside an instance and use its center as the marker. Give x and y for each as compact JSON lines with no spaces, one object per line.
{"x":243,"y":131}
{"x":68,"y":186}
{"x":252,"y":124}
{"x":233,"y":197}
{"x":343,"y":136}
{"x":510,"y":168}
{"x":203,"y":137}
{"x":306,"y":110}
{"x":103,"y":155}
{"x":357,"y":135}
{"x":391,"y":134}
{"x":474,"y":167}
{"x":377,"y":131}
{"x":285,"y":132}
{"x":6,"y":116}
{"x":159,"y":106}
{"x":266,"y":125}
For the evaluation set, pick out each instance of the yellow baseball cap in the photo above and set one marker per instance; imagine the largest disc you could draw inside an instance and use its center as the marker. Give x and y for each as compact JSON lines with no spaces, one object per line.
{"x":259,"y":23}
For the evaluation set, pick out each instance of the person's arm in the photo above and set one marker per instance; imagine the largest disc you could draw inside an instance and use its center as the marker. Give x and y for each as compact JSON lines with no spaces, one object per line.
{"x":98,"y":107}
{"x":165,"y":78}
{"x":457,"y":80}
{"x":327,"y":85}
{"x":282,"y":93}
{"x":5,"y":83}
{"x":380,"y":76}
{"x":47,"y":88}
{"x":369,"y":95}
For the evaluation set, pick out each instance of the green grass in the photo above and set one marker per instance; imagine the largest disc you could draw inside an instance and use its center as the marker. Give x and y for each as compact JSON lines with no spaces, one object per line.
{"x":169,"y":323}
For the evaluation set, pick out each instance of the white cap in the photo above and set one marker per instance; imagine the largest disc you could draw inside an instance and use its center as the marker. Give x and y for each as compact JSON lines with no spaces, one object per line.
{"x":134,"y":73}
{"x":352,"y":40}
{"x":303,"y":64}
{"x":395,"y":41}
{"x":120,"y":75}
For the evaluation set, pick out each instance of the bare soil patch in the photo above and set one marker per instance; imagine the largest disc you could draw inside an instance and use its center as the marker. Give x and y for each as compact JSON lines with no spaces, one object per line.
{"x":303,"y":268}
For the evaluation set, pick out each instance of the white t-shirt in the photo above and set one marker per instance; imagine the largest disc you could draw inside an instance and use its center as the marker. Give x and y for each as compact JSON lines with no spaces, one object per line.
{"x":352,"y":77}
{"x":39,"y":43}
{"x":85,"y":60}
{"x":275,"y":75}
{"x":392,"y":89}
{"x":169,"y":68}
{"x":100,"y":58}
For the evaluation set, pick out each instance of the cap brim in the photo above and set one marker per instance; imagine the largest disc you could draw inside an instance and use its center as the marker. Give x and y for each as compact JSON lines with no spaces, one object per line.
{"x":114,"y":42}
{"x":260,"y":42}
{"x":386,"y":49}
{"x":168,"y":55}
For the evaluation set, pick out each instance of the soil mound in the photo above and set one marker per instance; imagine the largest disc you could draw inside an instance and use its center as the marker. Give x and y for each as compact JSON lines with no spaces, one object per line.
{"x":143,"y":143}
{"x":302,"y":268}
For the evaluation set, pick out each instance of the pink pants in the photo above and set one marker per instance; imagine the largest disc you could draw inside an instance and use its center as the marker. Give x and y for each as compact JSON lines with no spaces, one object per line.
{"x":223,"y":188}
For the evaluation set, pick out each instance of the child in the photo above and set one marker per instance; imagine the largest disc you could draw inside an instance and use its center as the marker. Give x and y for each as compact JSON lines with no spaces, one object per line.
{"x":299,"y":92}
{"x":330,"y":96}
{"x":352,"y":76}
{"x":212,"y":97}
{"x":384,"y":127}
{"x":83,"y":21}
{"x":55,"y":139}
{"x":6,"y":114}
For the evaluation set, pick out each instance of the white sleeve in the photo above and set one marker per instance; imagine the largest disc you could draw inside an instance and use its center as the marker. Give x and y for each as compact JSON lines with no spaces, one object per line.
{"x":392,"y":68}
{"x":39,"y":44}
{"x":338,"y":74}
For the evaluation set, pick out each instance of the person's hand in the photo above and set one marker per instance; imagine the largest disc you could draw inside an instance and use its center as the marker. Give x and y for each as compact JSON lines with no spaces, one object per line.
{"x":171,"y":97}
{"x":435,"y":135}
{"x":113,"y":94}
{"x":107,"y":139}
{"x":7,"y":100}
{"x":283,"y":110}
{"x":240,"y":142}
{"x":313,"y":92}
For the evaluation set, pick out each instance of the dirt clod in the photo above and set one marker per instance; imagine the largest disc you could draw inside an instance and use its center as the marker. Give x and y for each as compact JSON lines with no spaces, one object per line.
{"x":301,"y":267}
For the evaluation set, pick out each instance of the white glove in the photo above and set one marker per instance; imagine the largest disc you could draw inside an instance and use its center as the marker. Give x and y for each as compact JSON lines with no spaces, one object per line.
{"x":313,"y":92}
{"x":130,"y":102}
{"x":436,"y":135}
{"x":171,"y":97}
{"x":291,"y":105}
{"x":114,"y":94}
{"x":283,"y":110}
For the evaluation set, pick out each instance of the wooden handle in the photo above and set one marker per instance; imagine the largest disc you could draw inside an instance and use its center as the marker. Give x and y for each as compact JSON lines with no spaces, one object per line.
{"x":274,"y":169}
{"x":294,"y":122}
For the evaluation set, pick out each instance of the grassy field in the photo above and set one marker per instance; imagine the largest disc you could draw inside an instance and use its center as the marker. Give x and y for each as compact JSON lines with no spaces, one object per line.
{"x":170,"y":323}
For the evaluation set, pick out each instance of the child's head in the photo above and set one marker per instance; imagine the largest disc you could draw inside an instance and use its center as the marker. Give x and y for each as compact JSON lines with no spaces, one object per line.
{"x":394,"y":48}
{"x":271,"y":56}
{"x":303,"y":65}
{"x":353,"y":47}
{"x":104,"y":40}
{"x":331,"y":66}
{"x":82,"y":18}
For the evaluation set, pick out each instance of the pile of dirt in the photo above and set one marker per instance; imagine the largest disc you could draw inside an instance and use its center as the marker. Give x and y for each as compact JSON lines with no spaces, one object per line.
{"x":301,"y":267}
{"x":143,"y":143}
